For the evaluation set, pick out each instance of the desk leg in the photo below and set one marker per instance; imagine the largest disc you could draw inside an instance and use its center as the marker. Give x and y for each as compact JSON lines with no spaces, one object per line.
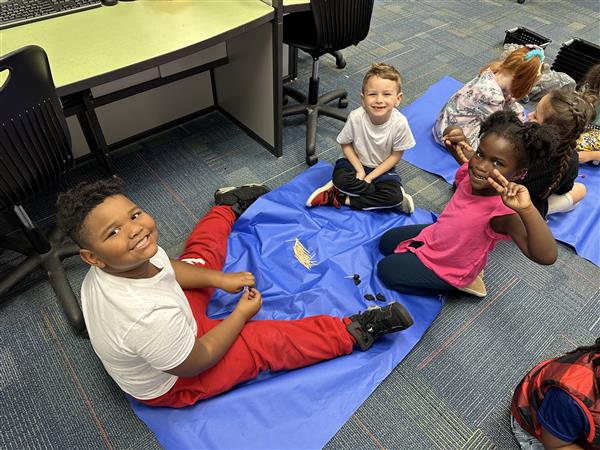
{"x":93,"y":132}
{"x":278,"y":82}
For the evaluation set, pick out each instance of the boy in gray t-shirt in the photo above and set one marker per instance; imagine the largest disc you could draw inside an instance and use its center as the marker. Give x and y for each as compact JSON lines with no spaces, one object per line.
{"x":373,"y":141}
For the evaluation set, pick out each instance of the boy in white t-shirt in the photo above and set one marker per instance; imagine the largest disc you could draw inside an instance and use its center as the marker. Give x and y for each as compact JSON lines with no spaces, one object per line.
{"x":145,"y":313}
{"x":373,"y":141}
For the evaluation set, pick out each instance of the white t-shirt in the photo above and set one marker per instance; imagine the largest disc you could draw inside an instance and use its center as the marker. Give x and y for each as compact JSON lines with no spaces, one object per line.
{"x":139,"y":327}
{"x":373,"y":144}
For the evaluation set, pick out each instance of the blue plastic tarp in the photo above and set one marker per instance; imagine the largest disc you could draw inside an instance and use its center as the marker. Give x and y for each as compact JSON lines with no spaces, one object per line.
{"x":580,"y":228}
{"x":302,"y":408}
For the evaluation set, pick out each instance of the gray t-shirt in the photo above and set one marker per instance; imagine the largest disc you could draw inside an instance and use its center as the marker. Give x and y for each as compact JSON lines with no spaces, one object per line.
{"x":373,"y":144}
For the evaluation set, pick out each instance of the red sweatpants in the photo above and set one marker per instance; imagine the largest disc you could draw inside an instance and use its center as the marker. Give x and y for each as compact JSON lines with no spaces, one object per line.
{"x":262,"y":344}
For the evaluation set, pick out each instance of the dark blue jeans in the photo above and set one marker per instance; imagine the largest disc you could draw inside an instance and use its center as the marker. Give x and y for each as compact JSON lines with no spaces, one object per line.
{"x":404,"y":272}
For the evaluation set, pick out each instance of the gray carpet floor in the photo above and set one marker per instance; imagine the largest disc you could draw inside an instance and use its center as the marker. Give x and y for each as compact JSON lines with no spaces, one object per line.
{"x":453,"y":390}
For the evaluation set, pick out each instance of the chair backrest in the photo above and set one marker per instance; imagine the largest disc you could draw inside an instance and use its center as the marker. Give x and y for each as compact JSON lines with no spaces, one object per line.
{"x":341,"y":23}
{"x":35,"y":144}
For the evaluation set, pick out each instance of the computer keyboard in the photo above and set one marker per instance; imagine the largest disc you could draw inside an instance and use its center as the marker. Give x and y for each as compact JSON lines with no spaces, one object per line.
{"x":17,"y":12}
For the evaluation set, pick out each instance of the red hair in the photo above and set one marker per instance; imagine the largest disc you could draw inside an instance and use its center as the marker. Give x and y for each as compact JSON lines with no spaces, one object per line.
{"x":525,"y":73}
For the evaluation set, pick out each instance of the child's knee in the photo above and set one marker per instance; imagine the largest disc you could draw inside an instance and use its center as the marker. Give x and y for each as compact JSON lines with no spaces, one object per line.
{"x":387,"y":243}
{"x":387,"y":271}
{"x":382,"y":269}
{"x":341,"y":178}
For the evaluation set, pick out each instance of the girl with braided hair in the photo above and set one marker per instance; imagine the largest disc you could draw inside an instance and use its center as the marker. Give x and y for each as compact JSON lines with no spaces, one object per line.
{"x":440,"y":258}
{"x":588,"y":144}
{"x":557,"y":404}
{"x":551,"y":182}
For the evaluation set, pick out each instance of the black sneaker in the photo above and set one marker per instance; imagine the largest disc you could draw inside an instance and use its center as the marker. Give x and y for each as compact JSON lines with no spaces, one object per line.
{"x":239,"y":198}
{"x":367,"y":326}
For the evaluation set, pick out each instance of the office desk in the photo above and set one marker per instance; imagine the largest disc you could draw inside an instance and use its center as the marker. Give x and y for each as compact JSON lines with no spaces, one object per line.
{"x":295,"y":5}
{"x":101,"y":45}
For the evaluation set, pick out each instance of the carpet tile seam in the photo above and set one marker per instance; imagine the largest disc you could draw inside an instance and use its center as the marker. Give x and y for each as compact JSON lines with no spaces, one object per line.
{"x":428,"y":395}
{"x":465,"y":326}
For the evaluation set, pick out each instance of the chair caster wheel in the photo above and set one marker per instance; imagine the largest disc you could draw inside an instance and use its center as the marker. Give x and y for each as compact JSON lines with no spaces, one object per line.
{"x":342,"y":103}
{"x":340,"y":62}
{"x":311,"y":160}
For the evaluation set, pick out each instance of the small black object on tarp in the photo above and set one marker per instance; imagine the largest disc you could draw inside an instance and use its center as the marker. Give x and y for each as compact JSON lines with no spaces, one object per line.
{"x":369,"y":297}
{"x":356,"y":279}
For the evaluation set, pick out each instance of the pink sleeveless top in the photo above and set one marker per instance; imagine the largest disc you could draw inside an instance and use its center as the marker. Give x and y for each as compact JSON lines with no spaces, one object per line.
{"x":456,"y":247}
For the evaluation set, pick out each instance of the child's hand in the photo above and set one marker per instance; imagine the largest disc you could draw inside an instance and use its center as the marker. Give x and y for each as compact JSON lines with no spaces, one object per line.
{"x":235,"y":281}
{"x":249,"y":303}
{"x":368,"y":179}
{"x":360,"y":174}
{"x":515,"y":196}
{"x":462,"y":149}
{"x":454,"y":134}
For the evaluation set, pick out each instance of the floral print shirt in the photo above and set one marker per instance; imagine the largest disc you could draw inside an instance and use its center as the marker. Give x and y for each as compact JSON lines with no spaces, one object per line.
{"x":472,"y":104}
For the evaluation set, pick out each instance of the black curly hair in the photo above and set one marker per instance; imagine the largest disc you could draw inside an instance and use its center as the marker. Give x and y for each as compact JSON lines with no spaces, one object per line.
{"x":73,"y":206}
{"x":532,"y":142}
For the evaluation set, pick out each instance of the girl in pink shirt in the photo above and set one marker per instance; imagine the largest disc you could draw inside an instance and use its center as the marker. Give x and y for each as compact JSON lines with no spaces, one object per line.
{"x":488,"y":206}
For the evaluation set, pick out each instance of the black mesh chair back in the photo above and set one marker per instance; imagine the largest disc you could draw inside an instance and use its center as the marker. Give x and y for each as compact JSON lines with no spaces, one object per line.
{"x":340,"y":23}
{"x":330,"y":26}
{"x":35,"y":145}
{"x":35,"y":152}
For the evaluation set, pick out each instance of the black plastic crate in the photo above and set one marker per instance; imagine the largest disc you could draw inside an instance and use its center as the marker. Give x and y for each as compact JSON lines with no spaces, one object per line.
{"x":570,"y":60}
{"x":576,"y":74}
{"x":583,"y":47}
{"x":524,"y":36}
{"x":576,"y":57}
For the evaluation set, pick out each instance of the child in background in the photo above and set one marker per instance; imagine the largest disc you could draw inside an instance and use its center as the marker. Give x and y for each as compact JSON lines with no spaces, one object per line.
{"x":373,"y":141}
{"x":551,"y":183}
{"x":557,"y":404}
{"x":497,"y":88}
{"x":588,"y":144}
{"x":487,"y":207}
{"x":145,"y":314}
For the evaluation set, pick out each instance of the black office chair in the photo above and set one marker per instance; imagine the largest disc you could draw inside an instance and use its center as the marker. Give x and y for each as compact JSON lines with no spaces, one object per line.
{"x":340,"y":61}
{"x":35,"y":152}
{"x":330,"y":26}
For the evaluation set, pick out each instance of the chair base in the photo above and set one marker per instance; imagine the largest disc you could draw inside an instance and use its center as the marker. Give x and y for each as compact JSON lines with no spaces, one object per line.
{"x":313,"y":111}
{"x":51,"y":262}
